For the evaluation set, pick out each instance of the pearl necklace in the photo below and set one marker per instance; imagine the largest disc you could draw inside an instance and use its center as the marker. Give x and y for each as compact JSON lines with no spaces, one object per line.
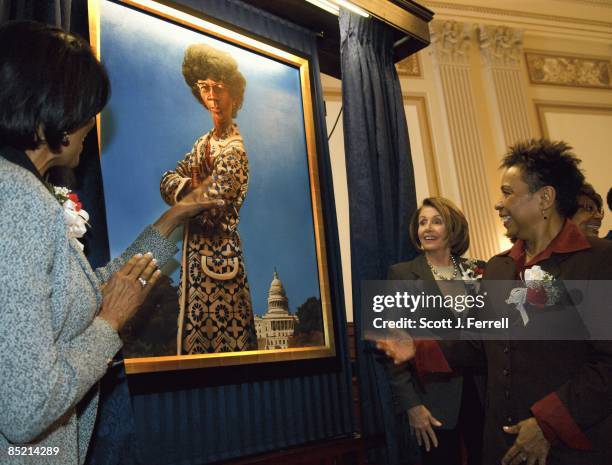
{"x":439,"y":275}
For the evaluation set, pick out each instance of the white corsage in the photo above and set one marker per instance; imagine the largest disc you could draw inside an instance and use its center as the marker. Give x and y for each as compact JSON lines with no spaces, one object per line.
{"x":76,"y":218}
{"x":471,"y":274}
{"x":540,"y":291}
{"x":470,"y":271}
{"x":518,"y":297}
{"x":536,"y":273}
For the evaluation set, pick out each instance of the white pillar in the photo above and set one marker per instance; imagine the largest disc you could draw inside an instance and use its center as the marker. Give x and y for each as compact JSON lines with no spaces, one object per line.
{"x":501,"y":48}
{"x":451,"y":42}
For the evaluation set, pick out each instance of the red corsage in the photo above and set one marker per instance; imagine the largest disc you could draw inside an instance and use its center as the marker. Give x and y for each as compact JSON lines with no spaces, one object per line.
{"x":536,"y":295}
{"x":75,"y":199}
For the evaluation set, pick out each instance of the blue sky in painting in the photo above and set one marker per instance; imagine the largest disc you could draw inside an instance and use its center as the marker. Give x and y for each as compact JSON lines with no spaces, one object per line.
{"x":152,"y":120}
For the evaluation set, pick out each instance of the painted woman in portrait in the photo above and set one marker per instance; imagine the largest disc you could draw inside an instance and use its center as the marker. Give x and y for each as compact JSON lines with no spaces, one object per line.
{"x":216,"y":312}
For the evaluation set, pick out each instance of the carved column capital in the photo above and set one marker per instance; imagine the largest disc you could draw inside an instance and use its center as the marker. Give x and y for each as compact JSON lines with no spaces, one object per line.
{"x":500,"y":45}
{"x":451,"y":41}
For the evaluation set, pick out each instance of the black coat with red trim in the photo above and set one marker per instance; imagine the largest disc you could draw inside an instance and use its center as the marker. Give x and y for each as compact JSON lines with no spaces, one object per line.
{"x":565,"y":385}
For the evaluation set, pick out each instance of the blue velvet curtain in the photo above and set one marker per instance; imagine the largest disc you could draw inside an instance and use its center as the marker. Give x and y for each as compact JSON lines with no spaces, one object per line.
{"x":67,"y":14}
{"x":56,"y":12}
{"x":208,"y":424}
{"x":381,"y":199}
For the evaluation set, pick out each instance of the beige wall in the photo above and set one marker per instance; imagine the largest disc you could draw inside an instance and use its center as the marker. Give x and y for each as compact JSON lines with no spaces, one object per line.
{"x":580,"y":115}
{"x":425,"y":170}
{"x":589,"y":129}
{"x":333,"y":103}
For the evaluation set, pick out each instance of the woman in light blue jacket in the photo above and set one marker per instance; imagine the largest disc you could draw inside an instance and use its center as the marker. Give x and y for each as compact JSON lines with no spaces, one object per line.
{"x":58,"y":318}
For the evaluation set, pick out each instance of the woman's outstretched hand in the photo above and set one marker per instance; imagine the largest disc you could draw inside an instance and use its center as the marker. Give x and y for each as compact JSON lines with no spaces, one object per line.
{"x":399,"y":346}
{"x":127,"y":289}
{"x":421,"y":424}
{"x":195,"y":202}
{"x":531,"y":445}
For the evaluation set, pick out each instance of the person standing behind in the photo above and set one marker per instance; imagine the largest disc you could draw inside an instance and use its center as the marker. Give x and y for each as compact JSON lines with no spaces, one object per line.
{"x":440,"y":412}
{"x":590,"y":211}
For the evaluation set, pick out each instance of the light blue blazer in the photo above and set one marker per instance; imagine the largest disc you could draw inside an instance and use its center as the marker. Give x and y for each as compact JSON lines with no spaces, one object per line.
{"x":53,"y":347}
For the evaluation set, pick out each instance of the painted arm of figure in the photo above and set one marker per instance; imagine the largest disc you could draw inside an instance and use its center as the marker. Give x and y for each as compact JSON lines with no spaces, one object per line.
{"x":176,"y":183}
{"x":229,"y":179}
{"x":228,"y":182}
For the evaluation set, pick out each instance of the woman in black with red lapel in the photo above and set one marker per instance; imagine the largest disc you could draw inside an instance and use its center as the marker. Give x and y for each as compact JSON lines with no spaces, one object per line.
{"x":548,"y":401}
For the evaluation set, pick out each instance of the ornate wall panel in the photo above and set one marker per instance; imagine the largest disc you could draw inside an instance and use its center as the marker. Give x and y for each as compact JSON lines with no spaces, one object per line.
{"x":566,"y":70}
{"x":410,"y":66}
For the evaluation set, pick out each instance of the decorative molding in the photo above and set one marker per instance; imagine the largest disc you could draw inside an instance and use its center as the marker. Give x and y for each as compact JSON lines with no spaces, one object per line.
{"x":543,"y":107}
{"x":567,"y":70}
{"x":334,"y":95}
{"x":599,"y":3}
{"x":521,"y":14}
{"x":410,"y":66}
{"x":420,"y":102}
{"x":500,"y":45}
{"x":451,"y":41}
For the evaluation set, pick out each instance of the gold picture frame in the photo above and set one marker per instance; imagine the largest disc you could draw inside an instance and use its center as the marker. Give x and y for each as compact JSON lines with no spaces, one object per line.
{"x":193,"y":22}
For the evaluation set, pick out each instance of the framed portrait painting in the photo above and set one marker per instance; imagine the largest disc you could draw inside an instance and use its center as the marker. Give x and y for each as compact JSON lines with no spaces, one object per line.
{"x":197,"y":108}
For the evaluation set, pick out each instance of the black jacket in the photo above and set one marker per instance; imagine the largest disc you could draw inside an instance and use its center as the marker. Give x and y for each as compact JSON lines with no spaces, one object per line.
{"x":441,"y":395}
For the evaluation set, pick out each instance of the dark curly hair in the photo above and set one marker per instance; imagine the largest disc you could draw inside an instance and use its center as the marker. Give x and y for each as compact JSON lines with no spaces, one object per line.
{"x":205,"y":62}
{"x":549,"y":163}
{"x":589,"y":191}
{"x":609,"y":199}
{"x":49,"y":80}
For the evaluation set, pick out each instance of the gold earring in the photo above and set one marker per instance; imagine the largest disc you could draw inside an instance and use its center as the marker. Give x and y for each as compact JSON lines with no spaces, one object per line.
{"x":65,"y":139}
{"x":544,"y":214}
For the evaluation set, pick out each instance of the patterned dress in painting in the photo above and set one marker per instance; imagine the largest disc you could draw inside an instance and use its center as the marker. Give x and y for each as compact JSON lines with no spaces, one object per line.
{"x":216,"y":313}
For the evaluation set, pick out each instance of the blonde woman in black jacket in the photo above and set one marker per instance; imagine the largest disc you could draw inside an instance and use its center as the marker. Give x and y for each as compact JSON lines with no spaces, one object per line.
{"x":443,"y":412}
